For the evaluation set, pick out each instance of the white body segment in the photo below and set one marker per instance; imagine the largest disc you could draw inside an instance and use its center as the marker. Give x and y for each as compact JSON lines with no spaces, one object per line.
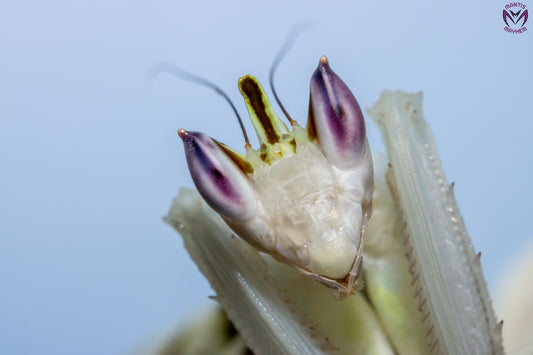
{"x":310,"y":213}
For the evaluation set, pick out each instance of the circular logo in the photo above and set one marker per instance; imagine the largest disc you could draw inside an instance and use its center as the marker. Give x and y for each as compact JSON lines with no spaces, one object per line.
{"x":515,"y":17}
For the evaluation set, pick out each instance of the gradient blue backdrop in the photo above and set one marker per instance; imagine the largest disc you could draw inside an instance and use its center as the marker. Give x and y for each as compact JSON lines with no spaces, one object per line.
{"x":90,"y":159}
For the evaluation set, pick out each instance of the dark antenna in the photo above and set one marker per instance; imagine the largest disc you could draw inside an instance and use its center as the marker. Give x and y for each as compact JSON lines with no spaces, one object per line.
{"x":170,"y":68}
{"x":291,"y":36}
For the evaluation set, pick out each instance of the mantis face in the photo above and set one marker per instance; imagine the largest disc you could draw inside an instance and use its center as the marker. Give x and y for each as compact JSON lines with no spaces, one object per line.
{"x":305,"y":196}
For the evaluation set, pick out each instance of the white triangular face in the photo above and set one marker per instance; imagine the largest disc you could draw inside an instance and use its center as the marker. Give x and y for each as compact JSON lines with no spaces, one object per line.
{"x":304,"y":196}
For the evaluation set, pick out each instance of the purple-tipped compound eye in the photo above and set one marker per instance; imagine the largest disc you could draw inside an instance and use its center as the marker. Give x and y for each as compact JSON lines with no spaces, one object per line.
{"x":335,"y":117}
{"x":220,"y":182}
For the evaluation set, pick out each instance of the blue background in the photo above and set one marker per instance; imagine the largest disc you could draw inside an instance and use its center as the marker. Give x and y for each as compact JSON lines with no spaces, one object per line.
{"x":90,"y":159}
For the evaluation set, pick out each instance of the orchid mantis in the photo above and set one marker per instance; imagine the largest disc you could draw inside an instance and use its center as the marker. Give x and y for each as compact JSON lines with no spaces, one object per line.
{"x":305,"y":198}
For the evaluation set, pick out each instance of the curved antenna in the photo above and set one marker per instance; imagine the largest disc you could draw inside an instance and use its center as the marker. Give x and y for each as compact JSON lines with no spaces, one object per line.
{"x":291,"y":36}
{"x":170,"y":68}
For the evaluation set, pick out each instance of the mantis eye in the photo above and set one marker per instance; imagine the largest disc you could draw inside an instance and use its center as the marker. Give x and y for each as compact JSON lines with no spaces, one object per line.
{"x":219,"y":175}
{"x":335,"y":118}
